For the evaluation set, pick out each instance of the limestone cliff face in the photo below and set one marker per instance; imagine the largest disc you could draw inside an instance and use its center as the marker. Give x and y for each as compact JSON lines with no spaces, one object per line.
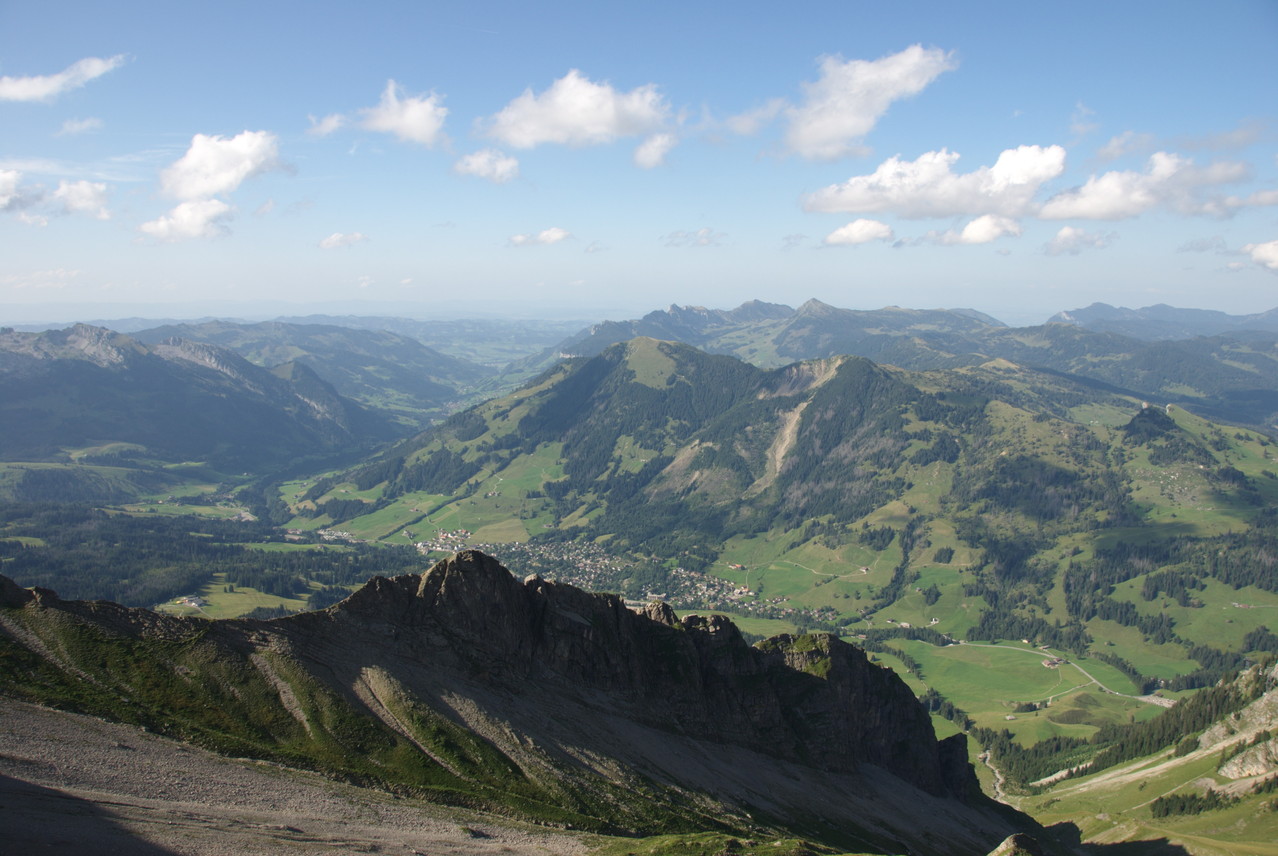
{"x":528,"y":696}
{"x":813,"y":700}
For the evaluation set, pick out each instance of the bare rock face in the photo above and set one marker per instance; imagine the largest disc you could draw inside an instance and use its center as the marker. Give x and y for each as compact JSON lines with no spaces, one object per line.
{"x":813,"y":700}
{"x":1019,"y":844}
{"x":474,"y":686}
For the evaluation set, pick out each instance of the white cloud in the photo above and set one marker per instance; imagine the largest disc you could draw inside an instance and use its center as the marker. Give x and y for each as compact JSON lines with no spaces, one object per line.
{"x":553,"y":235}
{"x":703,"y":237}
{"x":1259,"y":198}
{"x":1168,"y":180}
{"x":71,"y":127}
{"x":1072,"y":241}
{"x":342,"y":239}
{"x":327,"y":125}
{"x":859,"y":232}
{"x":846,"y":101}
{"x":491,"y":164}
{"x":578,"y":112}
{"x":8,"y":187}
{"x":652,"y":151}
{"x":1265,"y":255}
{"x":200,"y":218}
{"x":217,"y":165}
{"x":413,"y":119}
{"x":983,"y":230}
{"x":86,"y":197}
{"x":33,"y":219}
{"x":927,"y":187}
{"x":50,"y":86}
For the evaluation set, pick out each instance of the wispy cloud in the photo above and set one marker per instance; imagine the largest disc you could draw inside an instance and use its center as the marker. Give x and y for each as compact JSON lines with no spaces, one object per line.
{"x":48,"y":87}
{"x":1071,"y":240}
{"x":339,"y":240}
{"x":494,"y":165}
{"x":843,"y":105}
{"x":74,"y":127}
{"x":703,"y":237}
{"x":553,"y":235}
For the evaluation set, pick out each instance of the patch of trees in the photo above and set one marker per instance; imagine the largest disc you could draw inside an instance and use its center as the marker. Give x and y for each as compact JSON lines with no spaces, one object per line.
{"x":147,"y":559}
{"x":1022,"y":765}
{"x":934,"y":702}
{"x":1190,"y":803}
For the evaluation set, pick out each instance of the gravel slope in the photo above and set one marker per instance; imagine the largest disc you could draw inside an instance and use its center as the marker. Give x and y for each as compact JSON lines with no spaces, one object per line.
{"x":75,"y":784}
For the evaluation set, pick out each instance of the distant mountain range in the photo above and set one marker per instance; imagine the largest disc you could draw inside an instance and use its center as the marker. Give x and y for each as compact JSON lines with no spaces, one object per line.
{"x":386,"y":371}
{"x":111,"y":396}
{"x":1231,"y":376}
{"x":1165,"y":322}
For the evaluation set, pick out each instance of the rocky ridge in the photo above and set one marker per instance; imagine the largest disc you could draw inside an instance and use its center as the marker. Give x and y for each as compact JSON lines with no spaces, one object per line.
{"x":474,"y":688}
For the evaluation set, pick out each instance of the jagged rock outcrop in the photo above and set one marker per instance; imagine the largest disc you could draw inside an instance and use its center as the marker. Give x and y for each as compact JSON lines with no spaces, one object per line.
{"x":1019,"y":844}
{"x":468,"y":684}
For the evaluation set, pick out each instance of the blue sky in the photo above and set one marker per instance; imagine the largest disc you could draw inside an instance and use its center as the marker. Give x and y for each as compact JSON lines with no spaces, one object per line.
{"x":601,"y":160}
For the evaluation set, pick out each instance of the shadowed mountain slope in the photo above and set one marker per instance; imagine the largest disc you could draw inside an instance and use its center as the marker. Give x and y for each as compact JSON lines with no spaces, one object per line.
{"x":538,"y":700}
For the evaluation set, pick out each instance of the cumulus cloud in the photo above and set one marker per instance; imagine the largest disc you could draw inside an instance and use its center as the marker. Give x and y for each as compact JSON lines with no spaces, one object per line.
{"x":491,"y":164}
{"x":849,"y":97}
{"x":199,"y":218}
{"x":327,"y":125}
{"x":72,"y":127}
{"x":859,"y":232}
{"x":703,"y":237}
{"x":576,"y":111}
{"x":413,"y":119}
{"x":982,"y":230}
{"x":83,"y":197}
{"x":928,"y":187}
{"x":48,"y":87}
{"x":1168,"y":180}
{"x":1072,"y":241}
{"x":553,"y":235}
{"x":1265,"y":255}
{"x":338,"y":240}
{"x":652,"y":151}
{"x":216,"y":165}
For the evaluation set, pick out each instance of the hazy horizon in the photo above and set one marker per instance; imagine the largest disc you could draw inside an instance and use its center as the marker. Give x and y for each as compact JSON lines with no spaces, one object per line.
{"x":498,"y":159}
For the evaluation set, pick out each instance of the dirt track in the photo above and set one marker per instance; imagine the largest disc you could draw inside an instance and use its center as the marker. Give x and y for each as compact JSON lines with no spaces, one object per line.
{"x":74,"y":784}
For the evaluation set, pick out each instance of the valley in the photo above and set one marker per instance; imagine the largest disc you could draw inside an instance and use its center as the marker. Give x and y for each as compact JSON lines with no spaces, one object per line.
{"x":1049,"y":558}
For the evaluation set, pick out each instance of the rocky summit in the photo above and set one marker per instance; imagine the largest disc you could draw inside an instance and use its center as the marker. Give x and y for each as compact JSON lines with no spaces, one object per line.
{"x":468,"y":686}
